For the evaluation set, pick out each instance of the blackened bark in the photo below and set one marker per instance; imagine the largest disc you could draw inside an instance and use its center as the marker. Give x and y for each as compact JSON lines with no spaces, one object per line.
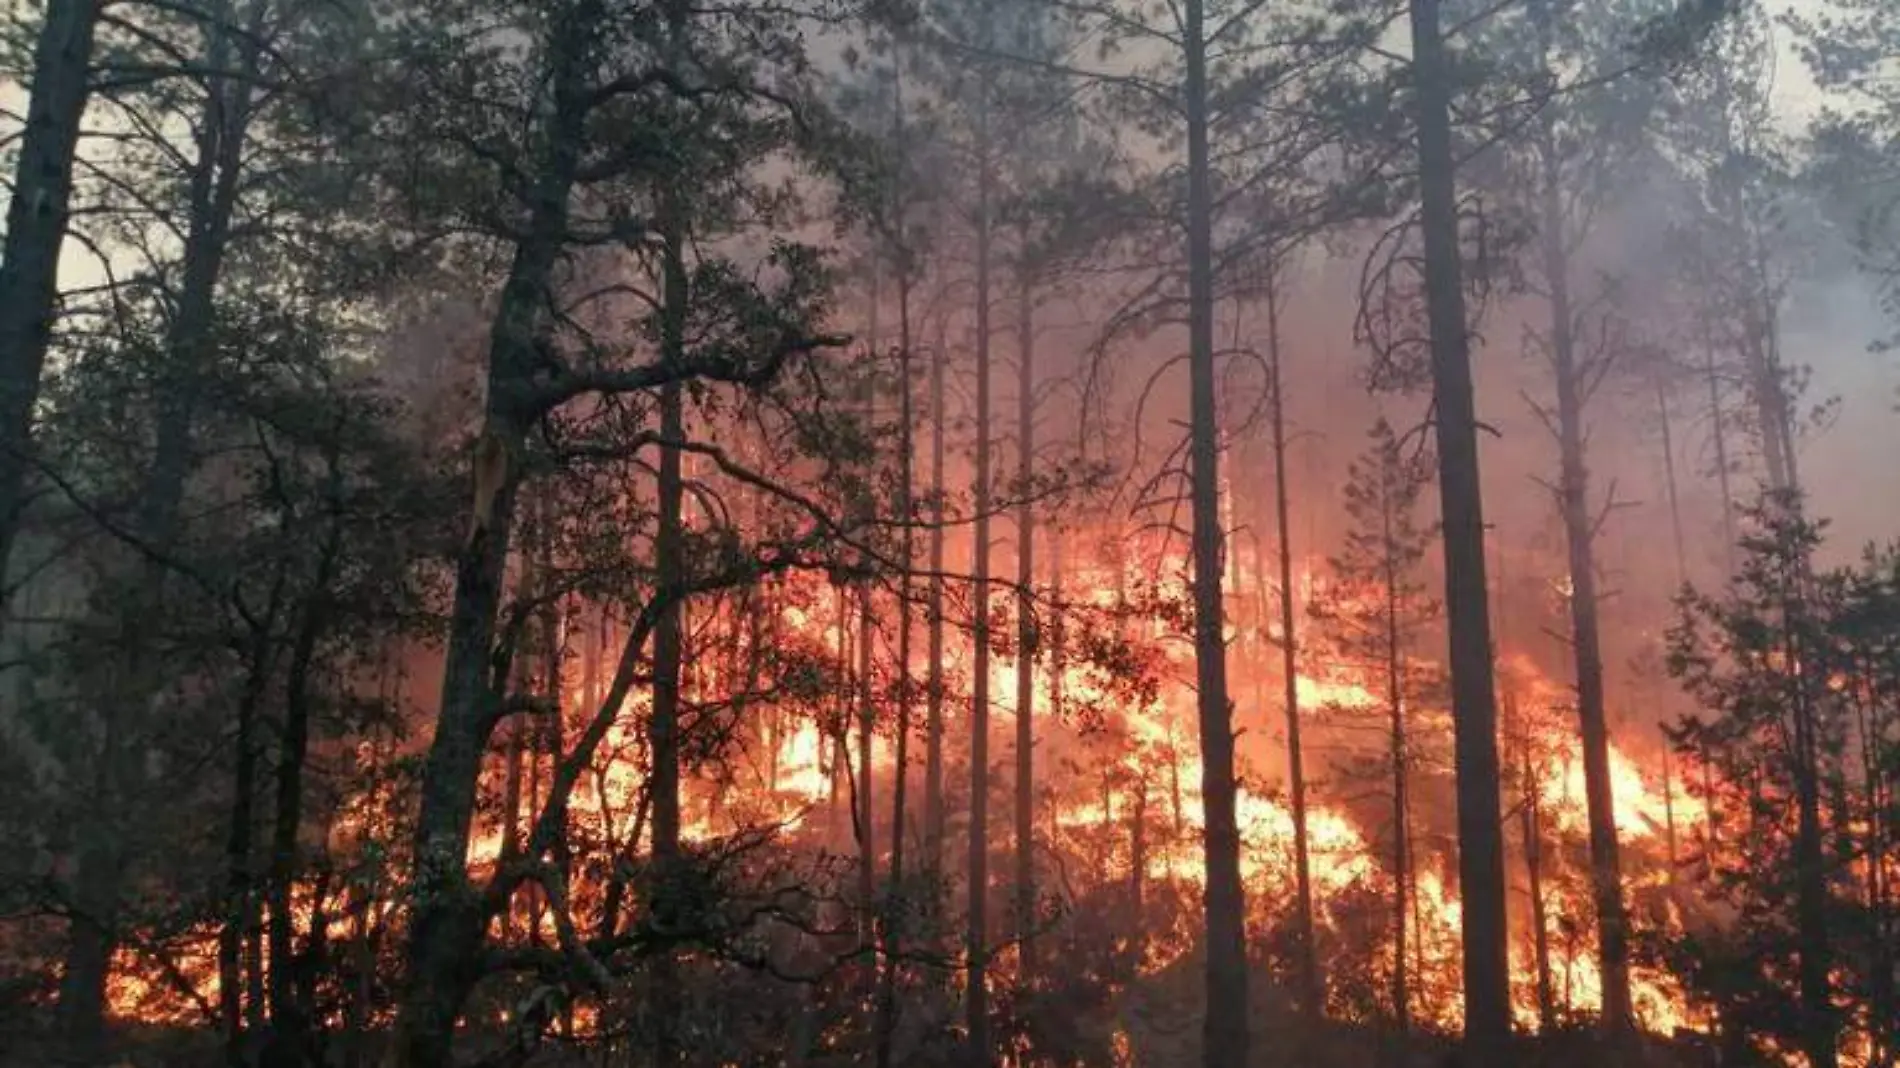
{"x":1474,"y":709}
{"x":36,"y":228}
{"x":1225,"y":1039}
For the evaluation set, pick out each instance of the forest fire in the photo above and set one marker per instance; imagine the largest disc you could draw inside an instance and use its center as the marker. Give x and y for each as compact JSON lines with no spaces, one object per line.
{"x":802,"y":533}
{"x":801,"y":776}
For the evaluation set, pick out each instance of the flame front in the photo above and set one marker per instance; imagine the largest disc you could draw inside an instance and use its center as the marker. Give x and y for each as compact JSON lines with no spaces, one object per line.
{"x":1119,"y":783}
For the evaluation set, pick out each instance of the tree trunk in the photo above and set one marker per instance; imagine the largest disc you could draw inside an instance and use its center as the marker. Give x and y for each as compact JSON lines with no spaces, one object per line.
{"x":933,"y":670}
{"x":864,"y":816}
{"x":1138,"y":869}
{"x":1225,"y":1040}
{"x":1312,"y":992}
{"x":1401,"y":808}
{"x":1531,"y":819}
{"x":896,"y":910}
{"x":213,"y":193}
{"x":240,"y":881}
{"x":1474,"y":710}
{"x":1670,"y":483}
{"x":289,"y":1028}
{"x":1820,"y":1025}
{"x":1768,"y":379}
{"x":1718,"y":434}
{"x":447,"y":920}
{"x":36,"y":229}
{"x":1026,"y":639}
{"x":668,"y":645}
{"x":977,"y":937}
{"x":1572,"y":381}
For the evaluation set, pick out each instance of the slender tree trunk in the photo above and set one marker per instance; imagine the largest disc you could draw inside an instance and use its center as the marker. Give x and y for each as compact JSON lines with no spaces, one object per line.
{"x":977,"y":937}
{"x":1580,"y":535}
{"x":1669,"y":811}
{"x":1768,"y":384}
{"x":1718,"y":432}
{"x":864,"y":815}
{"x":36,"y":229}
{"x":240,"y":889}
{"x":1026,"y":636}
{"x":1138,"y":868}
{"x":289,"y":1028}
{"x":1670,"y":482}
{"x":896,"y":909}
{"x":933,"y":672}
{"x":1531,"y":827}
{"x":1225,"y":1039}
{"x":1820,"y":1026}
{"x":668,"y":643}
{"x":511,"y":812}
{"x":864,"y":811}
{"x":1401,"y":808}
{"x":1474,"y":710}
{"x":1311,"y":988}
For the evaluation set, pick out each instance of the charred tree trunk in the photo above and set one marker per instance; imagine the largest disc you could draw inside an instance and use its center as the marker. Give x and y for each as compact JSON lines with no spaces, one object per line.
{"x":36,"y":228}
{"x":1474,"y":709}
{"x":1026,"y":638}
{"x":1306,"y":959}
{"x":1225,"y":1039}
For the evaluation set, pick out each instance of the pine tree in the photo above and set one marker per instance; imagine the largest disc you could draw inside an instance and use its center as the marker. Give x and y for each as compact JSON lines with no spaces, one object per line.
{"x":1374,"y":607}
{"x":1757,"y":661}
